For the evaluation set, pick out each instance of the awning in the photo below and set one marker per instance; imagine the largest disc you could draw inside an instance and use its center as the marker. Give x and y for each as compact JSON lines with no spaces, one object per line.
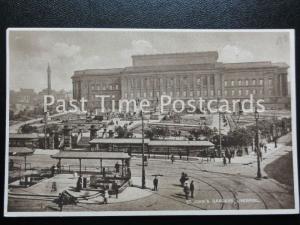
{"x":174,"y":143}
{"x":119,"y":141}
{"x":90,"y":155}
{"x":20,"y":151}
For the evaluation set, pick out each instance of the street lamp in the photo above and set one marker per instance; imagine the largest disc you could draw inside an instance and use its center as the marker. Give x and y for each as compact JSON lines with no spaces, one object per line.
{"x":220,"y":134}
{"x":256,"y":116}
{"x":143,"y":161}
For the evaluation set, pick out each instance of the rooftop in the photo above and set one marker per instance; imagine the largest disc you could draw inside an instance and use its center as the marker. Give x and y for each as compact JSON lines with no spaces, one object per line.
{"x":180,"y":143}
{"x":118,"y":141}
{"x":90,"y":155}
{"x":20,"y":150}
{"x":23,"y":136}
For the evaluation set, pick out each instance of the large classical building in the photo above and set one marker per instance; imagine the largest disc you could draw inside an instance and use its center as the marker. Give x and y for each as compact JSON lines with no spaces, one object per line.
{"x":184,"y":76}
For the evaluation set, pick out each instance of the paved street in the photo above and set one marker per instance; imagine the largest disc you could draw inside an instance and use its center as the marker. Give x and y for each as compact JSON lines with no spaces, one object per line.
{"x":216,"y":187}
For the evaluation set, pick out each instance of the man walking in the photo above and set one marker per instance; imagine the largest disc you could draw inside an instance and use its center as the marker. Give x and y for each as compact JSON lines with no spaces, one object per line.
{"x":155,"y":183}
{"x":172,"y":158}
{"x":115,"y":188}
{"x":192,"y":188}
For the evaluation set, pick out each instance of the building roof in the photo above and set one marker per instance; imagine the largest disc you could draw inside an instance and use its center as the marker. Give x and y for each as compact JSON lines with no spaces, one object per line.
{"x":90,"y":155}
{"x":175,"y":143}
{"x":23,"y":136}
{"x":97,"y":72}
{"x":119,"y":141}
{"x":20,"y":150}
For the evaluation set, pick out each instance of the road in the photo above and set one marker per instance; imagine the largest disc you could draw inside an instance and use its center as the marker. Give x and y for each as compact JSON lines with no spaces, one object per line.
{"x":216,"y":187}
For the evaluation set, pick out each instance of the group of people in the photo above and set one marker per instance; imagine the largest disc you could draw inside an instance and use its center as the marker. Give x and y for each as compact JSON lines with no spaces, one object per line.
{"x":187,"y":188}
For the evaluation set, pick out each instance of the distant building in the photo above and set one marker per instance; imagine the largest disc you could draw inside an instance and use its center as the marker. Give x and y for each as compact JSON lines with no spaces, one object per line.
{"x":25,"y":99}
{"x":184,"y":76}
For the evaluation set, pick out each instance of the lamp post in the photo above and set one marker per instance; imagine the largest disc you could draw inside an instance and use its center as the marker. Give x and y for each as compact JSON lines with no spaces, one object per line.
{"x":220,"y":134}
{"x":143,"y":161}
{"x":45,"y":129}
{"x":256,"y":116}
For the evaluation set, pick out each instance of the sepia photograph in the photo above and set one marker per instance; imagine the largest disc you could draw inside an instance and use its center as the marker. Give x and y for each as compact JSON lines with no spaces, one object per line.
{"x":124,"y":122}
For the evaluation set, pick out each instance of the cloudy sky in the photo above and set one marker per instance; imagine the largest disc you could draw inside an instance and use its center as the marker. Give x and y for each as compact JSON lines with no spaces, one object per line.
{"x":31,"y":51}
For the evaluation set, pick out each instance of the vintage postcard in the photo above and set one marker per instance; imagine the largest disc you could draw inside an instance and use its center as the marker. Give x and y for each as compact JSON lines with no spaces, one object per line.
{"x":106,"y":122}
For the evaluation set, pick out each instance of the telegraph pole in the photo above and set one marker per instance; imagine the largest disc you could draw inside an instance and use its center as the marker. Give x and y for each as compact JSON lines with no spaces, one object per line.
{"x":256,"y":116}
{"x":45,"y":130}
{"x":143,"y":163}
{"x":143,"y":155}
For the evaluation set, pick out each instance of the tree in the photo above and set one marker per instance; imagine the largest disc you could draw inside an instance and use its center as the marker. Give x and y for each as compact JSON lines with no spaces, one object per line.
{"x":26,"y":129}
{"x":120,"y":131}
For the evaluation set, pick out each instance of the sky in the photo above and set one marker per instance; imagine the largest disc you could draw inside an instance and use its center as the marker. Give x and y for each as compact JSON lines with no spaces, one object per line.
{"x":68,"y":51}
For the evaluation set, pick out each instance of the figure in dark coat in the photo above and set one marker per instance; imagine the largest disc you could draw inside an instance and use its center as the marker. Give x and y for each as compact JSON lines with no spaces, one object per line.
{"x":192,"y":188}
{"x":155,"y":183}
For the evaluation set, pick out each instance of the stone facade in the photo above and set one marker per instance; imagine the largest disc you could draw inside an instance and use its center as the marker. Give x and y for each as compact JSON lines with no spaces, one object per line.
{"x":185,"y":76}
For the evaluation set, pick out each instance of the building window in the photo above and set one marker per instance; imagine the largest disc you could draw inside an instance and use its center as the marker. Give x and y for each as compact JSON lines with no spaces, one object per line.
{"x":270,"y":82}
{"x":205,"y":93}
{"x":178,"y":94}
{"x":212,"y":80}
{"x":260,"y":91}
{"x":117,"y":87}
{"x":145,"y":95}
{"x":113,"y":96}
{"x":254,"y":91}
{"x":246,"y":82}
{"x":157,"y":94}
{"x":212,"y":93}
{"x":191,"y":94}
{"x":225,"y":92}
{"x":125,"y":95}
{"x":247,"y":92}
{"x":198,"y":81}
{"x":198,"y":93}
{"x":232,"y":83}
{"x":151,"y":94}
{"x":232,"y":92}
{"x":171,"y":93}
{"x":131,"y":94}
{"x":219,"y":92}
{"x":110,"y":87}
{"x":240,"y":82}
{"x":225,"y":83}
{"x":261,"y":82}
{"x":184,"y":94}
{"x":92,"y":87}
{"x":240,"y":92}
{"x":205,"y":81}
{"x":270,"y":91}
{"x":253,"y":82}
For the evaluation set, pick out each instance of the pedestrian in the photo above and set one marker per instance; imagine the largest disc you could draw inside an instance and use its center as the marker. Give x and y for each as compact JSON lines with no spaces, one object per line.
{"x":224,"y":160}
{"x":117,"y":167}
{"x":79,"y":184}
{"x":58,"y":167}
{"x":180,"y":154}
{"x":105,"y":196}
{"x":229,"y":157}
{"x":60,"y":201}
{"x":192,"y":188}
{"x":52,"y":170}
{"x":155,"y":183}
{"x":103,"y":172}
{"x":182,"y":179}
{"x":172,"y":158}
{"x":265,"y":147}
{"x":115,"y":188}
{"x":186,"y":191}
